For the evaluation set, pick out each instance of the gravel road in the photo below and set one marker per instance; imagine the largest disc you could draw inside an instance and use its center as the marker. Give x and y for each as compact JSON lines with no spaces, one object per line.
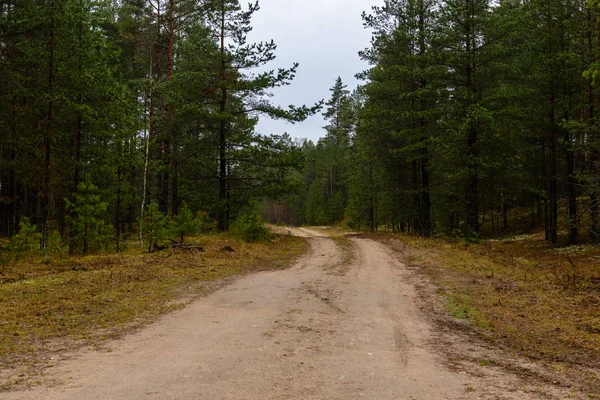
{"x":334,"y":326}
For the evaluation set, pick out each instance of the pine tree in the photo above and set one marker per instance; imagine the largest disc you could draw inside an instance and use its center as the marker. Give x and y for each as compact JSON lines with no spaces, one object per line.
{"x":403,"y":100}
{"x":155,"y":227}
{"x":87,"y":211}
{"x":339,"y":112}
{"x":185,"y":223}
{"x":239,"y":96}
{"x":464,"y":40}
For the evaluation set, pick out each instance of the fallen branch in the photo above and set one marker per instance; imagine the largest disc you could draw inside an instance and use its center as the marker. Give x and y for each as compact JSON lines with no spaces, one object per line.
{"x":175,"y":245}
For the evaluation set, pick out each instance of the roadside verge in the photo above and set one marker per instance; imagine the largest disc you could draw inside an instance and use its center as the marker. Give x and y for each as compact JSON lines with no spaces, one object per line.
{"x":532,"y":302}
{"x":51,"y":306}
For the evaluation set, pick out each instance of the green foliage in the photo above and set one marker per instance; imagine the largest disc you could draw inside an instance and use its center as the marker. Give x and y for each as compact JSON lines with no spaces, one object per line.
{"x":248,"y":164}
{"x":324,"y":184}
{"x":55,"y":246}
{"x":185,"y":224}
{"x":469,"y":108}
{"x":250,"y":225}
{"x":339,"y":112}
{"x":315,"y":214}
{"x":112,"y":96}
{"x":27,"y":239}
{"x":86,"y":218}
{"x":337,"y":206}
{"x":364,"y":187}
{"x":206,"y":223}
{"x":155,"y":227}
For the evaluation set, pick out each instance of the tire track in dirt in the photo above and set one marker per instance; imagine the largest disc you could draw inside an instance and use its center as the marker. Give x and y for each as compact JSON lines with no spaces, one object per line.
{"x":302,"y":333}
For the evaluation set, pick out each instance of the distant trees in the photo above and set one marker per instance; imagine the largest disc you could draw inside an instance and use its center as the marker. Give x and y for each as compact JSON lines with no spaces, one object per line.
{"x":324,"y":192}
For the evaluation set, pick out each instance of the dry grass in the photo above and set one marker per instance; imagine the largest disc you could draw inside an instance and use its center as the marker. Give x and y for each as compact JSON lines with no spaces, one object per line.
{"x":540,"y":302}
{"x":339,"y":235}
{"x":63,"y":302}
{"x":348,"y":251}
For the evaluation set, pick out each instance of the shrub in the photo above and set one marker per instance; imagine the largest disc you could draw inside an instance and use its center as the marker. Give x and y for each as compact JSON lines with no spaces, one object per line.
{"x":207,"y":224}
{"x":250,"y":226}
{"x":55,"y":245}
{"x":185,"y":224}
{"x":27,"y":239}
{"x":86,"y":219}
{"x":155,"y":227}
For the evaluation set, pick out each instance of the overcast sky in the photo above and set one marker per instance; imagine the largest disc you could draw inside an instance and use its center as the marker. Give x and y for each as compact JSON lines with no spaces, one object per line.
{"x":324,"y":36}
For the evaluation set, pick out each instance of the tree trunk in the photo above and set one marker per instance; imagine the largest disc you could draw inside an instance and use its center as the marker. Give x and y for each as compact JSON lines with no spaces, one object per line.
{"x":165,"y":178}
{"x":9,"y":190}
{"x":472,"y":136}
{"x":417,"y":224}
{"x":594,"y":154}
{"x":472,"y":187}
{"x":85,"y":239}
{"x":505,"y":213}
{"x":223,"y":203}
{"x":173,"y":183}
{"x":571,"y":188}
{"x":118,"y":207}
{"x":48,"y":134}
{"x":553,"y":183}
{"x":371,"y":205}
{"x":147,"y":155}
{"x":425,"y":182}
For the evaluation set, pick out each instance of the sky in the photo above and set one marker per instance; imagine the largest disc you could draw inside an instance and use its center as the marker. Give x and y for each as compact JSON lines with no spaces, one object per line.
{"x":324,"y":37}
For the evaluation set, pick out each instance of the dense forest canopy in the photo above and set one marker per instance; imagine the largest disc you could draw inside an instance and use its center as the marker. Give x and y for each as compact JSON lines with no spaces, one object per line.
{"x":119,"y":116}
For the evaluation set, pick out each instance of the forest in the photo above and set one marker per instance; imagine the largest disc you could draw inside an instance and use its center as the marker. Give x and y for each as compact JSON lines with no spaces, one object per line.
{"x":120,"y":120}
{"x":474,"y":115}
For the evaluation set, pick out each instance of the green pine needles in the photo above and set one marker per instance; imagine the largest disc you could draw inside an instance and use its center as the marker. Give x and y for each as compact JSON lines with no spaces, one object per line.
{"x":88,"y":228}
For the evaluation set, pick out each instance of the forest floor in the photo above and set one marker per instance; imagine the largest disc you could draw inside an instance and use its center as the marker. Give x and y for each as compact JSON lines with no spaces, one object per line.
{"x":351,"y":319}
{"x":53,"y":304}
{"x":519,"y":294}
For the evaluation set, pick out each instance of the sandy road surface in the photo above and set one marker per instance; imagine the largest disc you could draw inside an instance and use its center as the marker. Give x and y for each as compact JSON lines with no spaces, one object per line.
{"x":320,"y":330}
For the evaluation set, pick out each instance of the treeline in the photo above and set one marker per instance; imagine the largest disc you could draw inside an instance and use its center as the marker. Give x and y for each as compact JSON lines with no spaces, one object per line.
{"x":470,"y":109}
{"x":111,"y":108}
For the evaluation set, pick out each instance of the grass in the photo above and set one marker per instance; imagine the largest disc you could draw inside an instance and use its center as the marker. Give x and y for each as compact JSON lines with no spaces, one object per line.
{"x":460,"y":306}
{"x":539,"y":301}
{"x":49,"y":304}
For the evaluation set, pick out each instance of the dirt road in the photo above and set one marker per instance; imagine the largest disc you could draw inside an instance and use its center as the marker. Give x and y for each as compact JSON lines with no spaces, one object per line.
{"x":335,"y":326}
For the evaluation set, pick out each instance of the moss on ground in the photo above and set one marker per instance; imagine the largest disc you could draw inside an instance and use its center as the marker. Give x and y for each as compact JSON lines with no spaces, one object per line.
{"x":540,"y":301}
{"x":64,"y":302}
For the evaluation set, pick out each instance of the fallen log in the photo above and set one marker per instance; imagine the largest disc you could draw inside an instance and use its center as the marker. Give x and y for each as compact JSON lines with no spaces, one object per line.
{"x":187,"y":246}
{"x":182,"y":246}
